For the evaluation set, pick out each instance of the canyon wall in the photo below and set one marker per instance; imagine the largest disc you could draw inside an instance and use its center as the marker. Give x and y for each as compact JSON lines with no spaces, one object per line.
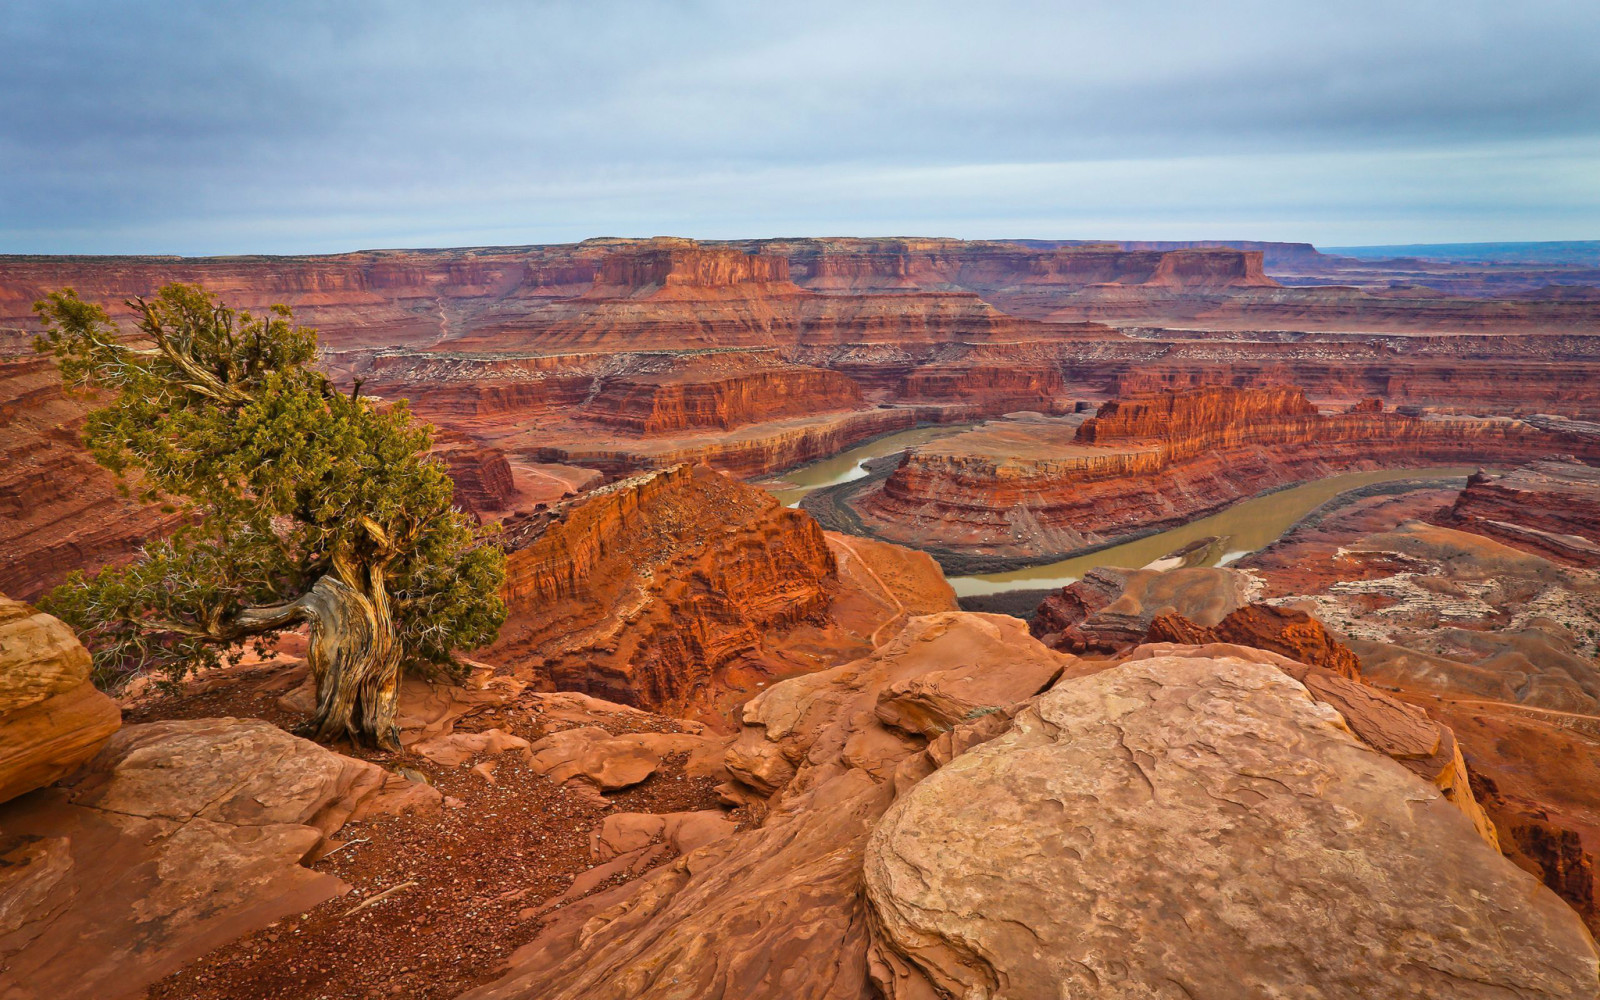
{"x":664,"y":263}
{"x":59,"y":511}
{"x":1552,"y":508}
{"x":1017,"y":488}
{"x":606,"y":352}
{"x":629,"y":592}
{"x":685,"y":401}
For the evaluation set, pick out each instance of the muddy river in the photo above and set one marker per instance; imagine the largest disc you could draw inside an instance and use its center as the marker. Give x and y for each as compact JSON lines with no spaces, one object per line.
{"x":1245,"y":527}
{"x":848,"y":465}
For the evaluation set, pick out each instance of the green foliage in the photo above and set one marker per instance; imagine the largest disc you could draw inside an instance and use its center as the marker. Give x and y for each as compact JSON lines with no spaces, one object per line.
{"x":225,"y":417}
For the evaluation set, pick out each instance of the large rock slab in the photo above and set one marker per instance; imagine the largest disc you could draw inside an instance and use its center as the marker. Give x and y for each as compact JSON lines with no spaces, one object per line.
{"x":52,"y":718}
{"x":1184,"y":826}
{"x":178,"y":837}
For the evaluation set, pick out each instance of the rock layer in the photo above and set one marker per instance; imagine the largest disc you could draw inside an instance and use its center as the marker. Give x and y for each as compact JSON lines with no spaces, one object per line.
{"x":178,"y":837}
{"x":1552,"y":508}
{"x":1050,"y":487}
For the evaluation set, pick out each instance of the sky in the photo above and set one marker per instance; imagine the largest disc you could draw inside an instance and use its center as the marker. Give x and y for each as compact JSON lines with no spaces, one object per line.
{"x":210,"y":127}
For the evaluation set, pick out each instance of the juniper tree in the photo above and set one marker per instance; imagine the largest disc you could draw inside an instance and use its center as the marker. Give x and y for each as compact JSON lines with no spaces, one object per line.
{"x":305,"y":505}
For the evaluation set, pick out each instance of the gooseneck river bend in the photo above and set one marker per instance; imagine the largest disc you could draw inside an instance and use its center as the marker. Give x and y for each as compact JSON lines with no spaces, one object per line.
{"x":1246,"y":526}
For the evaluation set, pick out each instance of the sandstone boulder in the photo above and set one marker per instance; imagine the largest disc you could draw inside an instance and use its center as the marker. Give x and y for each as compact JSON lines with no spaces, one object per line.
{"x":609,"y":763}
{"x":1193,"y":826}
{"x":52,"y":718}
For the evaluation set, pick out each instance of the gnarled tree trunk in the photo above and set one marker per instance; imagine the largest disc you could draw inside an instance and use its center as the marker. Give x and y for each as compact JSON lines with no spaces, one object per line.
{"x":354,"y":654}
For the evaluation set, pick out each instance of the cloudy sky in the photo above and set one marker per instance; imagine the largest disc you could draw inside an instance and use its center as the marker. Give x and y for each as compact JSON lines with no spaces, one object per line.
{"x":284,"y":127}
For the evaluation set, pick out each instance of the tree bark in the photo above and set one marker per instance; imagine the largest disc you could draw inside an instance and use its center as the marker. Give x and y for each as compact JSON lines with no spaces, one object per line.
{"x":354,"y":656}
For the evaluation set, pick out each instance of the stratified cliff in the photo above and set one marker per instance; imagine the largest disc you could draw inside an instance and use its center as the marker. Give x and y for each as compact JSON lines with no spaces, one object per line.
{"x":59,"y":511}
{"x":1036,"y":487}
{"x":717,"y":391}
{"x":682,"y":588}
{"x":1552,"y":508}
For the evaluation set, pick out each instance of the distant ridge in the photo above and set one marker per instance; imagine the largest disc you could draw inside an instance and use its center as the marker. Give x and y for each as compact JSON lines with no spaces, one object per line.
{"x":1573,"y":252}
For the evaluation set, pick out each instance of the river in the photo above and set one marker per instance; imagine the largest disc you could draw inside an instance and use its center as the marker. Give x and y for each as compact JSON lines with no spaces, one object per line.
{"x":848,"y":465}
{"x":1245,"y":527}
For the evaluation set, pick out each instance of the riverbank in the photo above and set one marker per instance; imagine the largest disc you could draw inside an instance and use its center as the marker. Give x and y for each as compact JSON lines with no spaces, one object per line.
{"x":1246,"y":527}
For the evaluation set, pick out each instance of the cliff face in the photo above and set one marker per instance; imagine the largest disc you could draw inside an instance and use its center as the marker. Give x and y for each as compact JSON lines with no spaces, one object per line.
{"x":59,"y":511}
{"x":631,"y":594}
{"x":1016,"y":488}
{"x":1187,"y":422}
{"x":482,"y":476}
{"x":686,"y":401}
{"x":666,"y":263}
{"x":1016,"y":386}
{"x":1552,"y":508}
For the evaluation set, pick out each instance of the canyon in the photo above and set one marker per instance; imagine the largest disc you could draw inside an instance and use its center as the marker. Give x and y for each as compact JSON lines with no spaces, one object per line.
{"x":725,"y":747}
{"x":757,"y":356}
{"x":1036,"y":486}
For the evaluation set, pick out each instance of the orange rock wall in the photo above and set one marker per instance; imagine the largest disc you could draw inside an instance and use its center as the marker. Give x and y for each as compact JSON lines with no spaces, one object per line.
{"x":640,"y":591}
{"x":1128,"y":470}
{"x":653,"y":406}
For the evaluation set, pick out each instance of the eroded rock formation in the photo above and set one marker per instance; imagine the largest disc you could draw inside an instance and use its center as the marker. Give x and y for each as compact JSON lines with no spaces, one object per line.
{"x":1552,"y":508}
{"x":178,"y":837}
{"x":1111,"y":609}
{"x":1015,"y":488}
{"x":1288,"y":631}
{"x":1196,"y":838}
{"x":649,"y":591}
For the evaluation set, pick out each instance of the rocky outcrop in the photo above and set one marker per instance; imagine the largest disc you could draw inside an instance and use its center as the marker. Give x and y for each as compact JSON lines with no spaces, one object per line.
{"x":482,"y":476}
{"x":52,"y":718}
{"x":1051,"y":487}
{"x":776,"y":910}
{"x":1401,"y":732}
{"x":1184,"y":824}
{"x":1552,"y":508}
{"x":937,"y":754}
{"x":641,"y":591}
{"x":1288,"y":631}
{"x":1111,"y":609}
{"x":1187,"y":423}
{"x":176,"y":838}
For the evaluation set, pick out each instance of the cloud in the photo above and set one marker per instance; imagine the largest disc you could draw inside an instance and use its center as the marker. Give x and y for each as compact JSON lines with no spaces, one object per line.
{"x":304,"y":127}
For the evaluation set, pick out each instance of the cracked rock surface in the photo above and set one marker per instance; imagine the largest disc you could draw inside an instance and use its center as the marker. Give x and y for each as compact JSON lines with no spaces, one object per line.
{"x":1200,"y":827}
